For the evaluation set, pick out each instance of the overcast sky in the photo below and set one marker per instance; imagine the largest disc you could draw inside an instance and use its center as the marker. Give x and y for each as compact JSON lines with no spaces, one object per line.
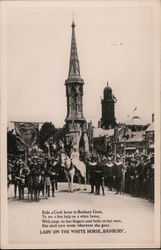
{"x":115,"y":44}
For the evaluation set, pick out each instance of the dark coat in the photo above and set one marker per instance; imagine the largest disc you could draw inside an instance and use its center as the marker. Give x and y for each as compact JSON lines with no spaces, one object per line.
{"x":118,"y":167}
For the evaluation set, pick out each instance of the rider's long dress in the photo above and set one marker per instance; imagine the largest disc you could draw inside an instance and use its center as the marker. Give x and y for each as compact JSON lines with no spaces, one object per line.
{"x":75,"y":158}
{"x":77,"y":163}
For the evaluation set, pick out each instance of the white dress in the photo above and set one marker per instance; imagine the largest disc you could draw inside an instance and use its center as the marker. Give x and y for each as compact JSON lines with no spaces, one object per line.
{"x":77,"y":163}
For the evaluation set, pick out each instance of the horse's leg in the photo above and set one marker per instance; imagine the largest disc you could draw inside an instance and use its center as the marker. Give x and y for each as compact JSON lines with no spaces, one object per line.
{"x":31,"y":192}
{"x":79,"y":180}
{"x":28,"y":192}
{"x":15,"y":189}
{"x":35,"y":193}
{"x":19,"y":190}
{"x":72,"y":178}
{"x":45,"y":191}
{"x":85,"y":182}
{"x":23,"y":192}
{"x":53,"y":188}
{"x":69,"y":186}
{"x":56,"y":184}
{"x":43,"y":187}
{"x":68,"y":179}
{"x":48,"y":190}
{"x":38,"y":192}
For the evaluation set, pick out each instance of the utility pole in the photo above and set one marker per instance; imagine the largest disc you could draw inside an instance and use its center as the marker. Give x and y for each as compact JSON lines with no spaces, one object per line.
{"x":115,"y":141}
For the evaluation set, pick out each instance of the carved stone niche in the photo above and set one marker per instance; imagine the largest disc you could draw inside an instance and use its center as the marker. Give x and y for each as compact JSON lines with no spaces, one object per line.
{"x":68,"y":90}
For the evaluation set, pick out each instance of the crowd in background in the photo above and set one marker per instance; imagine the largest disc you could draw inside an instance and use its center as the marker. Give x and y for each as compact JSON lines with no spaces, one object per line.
{"x":133,"y":175}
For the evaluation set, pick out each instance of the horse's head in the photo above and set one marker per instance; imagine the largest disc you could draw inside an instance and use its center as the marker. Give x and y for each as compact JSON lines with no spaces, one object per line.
{"x":64,"y":160}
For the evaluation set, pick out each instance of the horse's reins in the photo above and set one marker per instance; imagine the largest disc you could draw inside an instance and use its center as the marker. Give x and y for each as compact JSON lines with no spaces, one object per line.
{"x":70,"y":168}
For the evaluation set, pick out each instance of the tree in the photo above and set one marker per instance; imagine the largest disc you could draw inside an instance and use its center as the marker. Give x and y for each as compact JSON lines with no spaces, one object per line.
{"x":47,"y":130}
{"x":11,"y":143}
{"x":59,"y":134}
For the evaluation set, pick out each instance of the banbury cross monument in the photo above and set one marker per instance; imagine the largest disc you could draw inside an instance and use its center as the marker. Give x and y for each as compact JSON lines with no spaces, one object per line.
{"x":75,"y":122}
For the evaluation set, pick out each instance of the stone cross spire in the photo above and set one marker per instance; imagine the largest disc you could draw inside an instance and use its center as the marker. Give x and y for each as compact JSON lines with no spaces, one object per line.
{"x":75,"y":121}
{"x":74,"y":71}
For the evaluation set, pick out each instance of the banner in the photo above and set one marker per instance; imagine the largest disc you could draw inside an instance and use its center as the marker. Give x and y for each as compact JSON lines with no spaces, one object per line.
{"x":26,"y":134}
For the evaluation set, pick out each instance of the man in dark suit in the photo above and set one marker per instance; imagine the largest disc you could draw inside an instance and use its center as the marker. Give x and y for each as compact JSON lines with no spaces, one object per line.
{"x":99,"y":175}
{"x":118,"y":173}
{"x":92,"y":165}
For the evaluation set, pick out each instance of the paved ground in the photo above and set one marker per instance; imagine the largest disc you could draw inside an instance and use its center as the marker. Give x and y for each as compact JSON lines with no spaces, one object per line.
{"x":135,"y":218}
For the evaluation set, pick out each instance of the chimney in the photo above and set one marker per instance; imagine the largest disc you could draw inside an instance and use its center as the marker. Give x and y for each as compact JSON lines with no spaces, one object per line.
{"x":152,"y":117}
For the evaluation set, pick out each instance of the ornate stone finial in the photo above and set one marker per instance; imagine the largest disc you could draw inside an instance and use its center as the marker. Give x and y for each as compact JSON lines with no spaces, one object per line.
{"x":73,"y":24}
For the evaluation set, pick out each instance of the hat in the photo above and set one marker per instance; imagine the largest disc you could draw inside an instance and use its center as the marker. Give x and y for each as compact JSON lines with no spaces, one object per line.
{"x":94,"y":158}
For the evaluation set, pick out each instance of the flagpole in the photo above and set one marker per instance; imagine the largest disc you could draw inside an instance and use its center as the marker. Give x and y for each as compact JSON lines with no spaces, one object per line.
{"x":49,"y":148}
{"x":115,"y":141}
{"x":124,"y":163}
{"x":26,"y":156}
{"x":115,"y":150}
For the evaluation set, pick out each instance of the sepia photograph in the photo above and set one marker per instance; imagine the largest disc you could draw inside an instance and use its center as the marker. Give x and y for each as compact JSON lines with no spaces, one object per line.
{"x":80,"y":102}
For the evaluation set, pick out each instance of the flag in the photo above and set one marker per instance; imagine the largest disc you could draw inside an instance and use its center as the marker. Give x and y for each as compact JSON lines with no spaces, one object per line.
{"x":26,"y":134}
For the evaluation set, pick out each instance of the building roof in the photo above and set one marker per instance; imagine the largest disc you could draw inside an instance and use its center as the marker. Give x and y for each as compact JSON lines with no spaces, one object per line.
{"x":151,"y":127}
{"x":100,"y":132}
{"x":136,"y":121}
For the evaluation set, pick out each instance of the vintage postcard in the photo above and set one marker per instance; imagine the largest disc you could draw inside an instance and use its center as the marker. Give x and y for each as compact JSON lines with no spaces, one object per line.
{"x":80,"y":124}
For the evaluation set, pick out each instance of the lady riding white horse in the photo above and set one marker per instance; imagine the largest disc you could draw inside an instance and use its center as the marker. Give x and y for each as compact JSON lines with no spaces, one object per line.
{"x":71,"y":166}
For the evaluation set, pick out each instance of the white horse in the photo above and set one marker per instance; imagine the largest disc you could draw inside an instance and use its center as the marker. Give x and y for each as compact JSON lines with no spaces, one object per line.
{"x":71,"y":168}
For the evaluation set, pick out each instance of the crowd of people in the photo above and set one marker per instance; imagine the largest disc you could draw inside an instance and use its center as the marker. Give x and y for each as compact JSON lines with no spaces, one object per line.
{"x":39,"y":175}
{"x":133,"y":174}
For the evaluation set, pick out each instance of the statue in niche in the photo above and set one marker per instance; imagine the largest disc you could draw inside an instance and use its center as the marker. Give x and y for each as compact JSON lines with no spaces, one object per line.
{"x":73,"y":100}
{"x":68,"y":90}
{"x":79,"y":103}
{"x":76,"y":68}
